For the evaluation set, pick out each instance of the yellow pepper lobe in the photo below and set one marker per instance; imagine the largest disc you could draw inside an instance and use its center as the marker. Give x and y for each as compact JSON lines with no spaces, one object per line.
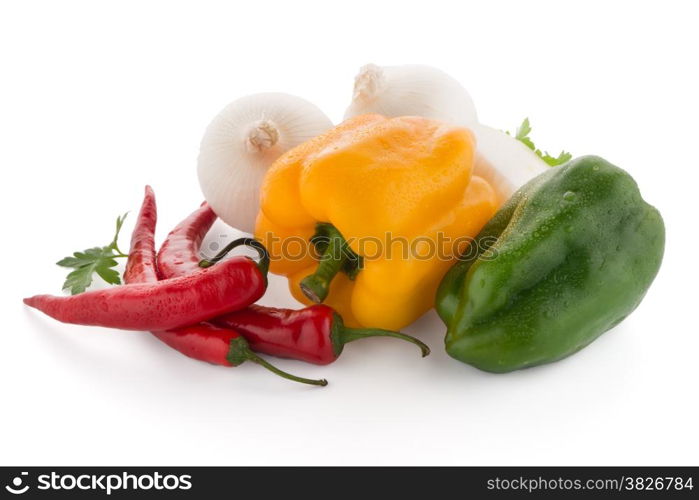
{"x":399,"y":290}
{"x":400,"y":191}
{"x":284,"y":205}
{"x":393,"y":176}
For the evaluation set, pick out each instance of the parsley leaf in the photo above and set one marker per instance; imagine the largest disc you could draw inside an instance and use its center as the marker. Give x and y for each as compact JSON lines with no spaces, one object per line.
{"x":562,"y":157}
{"x":100,"y":260}
{"x":522,"y":135}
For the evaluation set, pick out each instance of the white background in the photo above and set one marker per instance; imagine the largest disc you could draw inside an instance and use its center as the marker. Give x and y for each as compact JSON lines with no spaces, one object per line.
{"x":97,"y":99}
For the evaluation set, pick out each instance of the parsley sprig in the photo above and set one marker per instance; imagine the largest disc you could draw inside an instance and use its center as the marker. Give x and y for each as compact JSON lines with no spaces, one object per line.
{"x":100,"y":260}
{"x":522,"y":135}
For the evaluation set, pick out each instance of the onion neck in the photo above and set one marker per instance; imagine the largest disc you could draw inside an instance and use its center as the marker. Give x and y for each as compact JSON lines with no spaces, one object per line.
{"x":262,"y":135}
{"x":369,"y":82}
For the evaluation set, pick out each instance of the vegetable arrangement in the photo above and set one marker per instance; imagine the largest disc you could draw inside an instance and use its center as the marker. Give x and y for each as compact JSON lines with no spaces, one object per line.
{"x":408,"y":204}
{"x":316,"y":335}
{"x":414,"y":179}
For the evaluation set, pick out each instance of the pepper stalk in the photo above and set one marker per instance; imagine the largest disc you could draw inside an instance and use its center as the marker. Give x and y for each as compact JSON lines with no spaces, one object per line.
{"x":335,"y":256}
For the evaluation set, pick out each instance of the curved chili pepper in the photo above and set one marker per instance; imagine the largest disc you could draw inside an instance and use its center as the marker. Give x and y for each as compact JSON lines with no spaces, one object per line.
{"x":234,"y":284}
{"x":178,"y":255}
{"x":141,"y":266}
{"x":186,"y":300}
{"x":315,"y":334}
{"x":204,"y":342}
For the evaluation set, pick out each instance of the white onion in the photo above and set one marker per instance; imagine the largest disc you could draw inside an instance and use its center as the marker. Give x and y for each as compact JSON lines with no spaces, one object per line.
{"x":241,"y":143}
{"x":411,"y":90}
{"x":504,"y":162}
{"x":429,"y":92}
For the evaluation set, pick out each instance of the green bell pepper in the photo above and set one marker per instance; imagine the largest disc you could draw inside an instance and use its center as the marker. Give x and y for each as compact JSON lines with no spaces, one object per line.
{"x":568,"y":257}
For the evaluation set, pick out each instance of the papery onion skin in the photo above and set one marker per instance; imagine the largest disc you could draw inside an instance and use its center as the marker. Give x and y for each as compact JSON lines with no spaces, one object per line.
{"x":504,"y":162}
{"x":242,"y":141}
{"x":411,"y":90}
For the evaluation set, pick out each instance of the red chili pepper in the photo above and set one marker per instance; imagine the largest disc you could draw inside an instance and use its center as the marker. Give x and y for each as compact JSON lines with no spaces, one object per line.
{"x":315,"y":334}
{"x":186,"y":300}
{"x":178,"y":255}
{"x":141,"y":266}
{"x":221,"y":346}
{"x":205,"y":342}
{"x":233,"y":285}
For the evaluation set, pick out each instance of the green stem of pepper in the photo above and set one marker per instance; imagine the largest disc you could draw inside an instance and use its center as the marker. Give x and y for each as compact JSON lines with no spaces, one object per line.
{"x":341,"y":335}
{"x":262,"y":264}
{"x":239,"y":352}
{"x":335,"y":256}
{"x":317,"y":285}
{"x":352,"y":334}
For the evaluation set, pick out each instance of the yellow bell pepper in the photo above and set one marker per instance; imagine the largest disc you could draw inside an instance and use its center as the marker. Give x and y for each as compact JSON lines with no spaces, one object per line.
{"x":400,"y":192}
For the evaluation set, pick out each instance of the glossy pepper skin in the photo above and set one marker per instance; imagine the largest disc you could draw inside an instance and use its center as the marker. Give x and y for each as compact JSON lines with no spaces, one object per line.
{"x":141,"y":266}
{"x":568,"y":257}
{"x":234,"y":284}
{"x":372,"y":179}
{"x":315,"y":334}
{"x":145,"y":303}
{"x":179,"y":253}
{"x":305,"y":334}
{"x":208,"y":343}
{"x":202,"y":341}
